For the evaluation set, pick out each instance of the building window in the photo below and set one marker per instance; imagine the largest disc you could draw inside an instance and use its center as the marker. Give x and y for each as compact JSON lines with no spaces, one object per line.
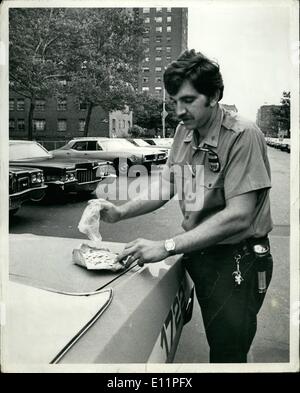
{"x":169,"y":19}
{"x":123,"y":123}
{"x":11,"y":105}
{"x":147,"y":50}
{"x":62,"y":104}
{"x":81,"y":124}
{"x":158,"y":29}
{"x":11,"y":125}
{"x":157,"y":69}
{"x":39,"y":124}
{"x":146,"y":30}
{"x":20,"y":104}
{"x":158,"y":19}
{"x":169,"y":39}
{"x":62,"y":125}
{"x":21,"y":124}
{"x":169,"y":9}
{"x":146,"y":59}
{"x":147,"y":20}
{"x":145,"y":79}
{"x":158,"y":79}
{"x":158,"y":9}
{"x":40,"y":105}
{"x":128,"y":124}
{"x":168,"y":49}
{"x":146,"y":40}
{"x":168,"y":58}
{"x":158,"y":50}
{"x":158,"y":90}
{"x":82,"y":105}
{"x":146,"y":69}
{"x":169,"y":29}
{"x":157,"y":58}
{"x":146,"y":10}
{"x":158,"y":39}
{"x":145,"y":88}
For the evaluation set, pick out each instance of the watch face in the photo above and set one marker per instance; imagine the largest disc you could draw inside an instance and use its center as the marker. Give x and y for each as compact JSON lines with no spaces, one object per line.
{"x":170,"y":245}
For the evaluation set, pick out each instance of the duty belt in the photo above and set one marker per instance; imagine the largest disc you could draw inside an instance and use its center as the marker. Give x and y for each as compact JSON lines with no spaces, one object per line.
{"x":245,"y":246}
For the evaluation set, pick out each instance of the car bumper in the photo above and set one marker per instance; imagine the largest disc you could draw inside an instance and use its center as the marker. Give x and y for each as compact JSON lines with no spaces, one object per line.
{"x":35,"y":194}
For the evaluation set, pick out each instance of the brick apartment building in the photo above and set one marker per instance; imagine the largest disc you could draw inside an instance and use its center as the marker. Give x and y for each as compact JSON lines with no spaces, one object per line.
{"x":57,"y":121}
{"x":165,"y":37}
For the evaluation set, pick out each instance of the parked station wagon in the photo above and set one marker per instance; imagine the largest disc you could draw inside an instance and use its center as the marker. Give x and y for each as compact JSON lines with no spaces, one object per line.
{"x":120,"y":151}
{"x":61,"y":174}
{"x":24,"y":184}
{"x":59,"y":312}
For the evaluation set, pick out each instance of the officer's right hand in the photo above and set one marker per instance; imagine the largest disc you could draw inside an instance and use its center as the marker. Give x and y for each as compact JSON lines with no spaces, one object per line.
{"x":109,"y":212}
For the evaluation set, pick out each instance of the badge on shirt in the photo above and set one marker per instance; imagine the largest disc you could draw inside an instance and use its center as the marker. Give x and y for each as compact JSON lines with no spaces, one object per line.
{"x":213,"y":161}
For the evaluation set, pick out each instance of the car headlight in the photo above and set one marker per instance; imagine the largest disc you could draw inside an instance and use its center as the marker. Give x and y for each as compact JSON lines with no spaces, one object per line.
{"x":71,"y":176}
{"x":34,"y":178}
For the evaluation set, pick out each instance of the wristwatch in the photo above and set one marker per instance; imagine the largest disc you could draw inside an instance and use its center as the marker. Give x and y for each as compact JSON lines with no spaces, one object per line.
{"x":170,"y":246}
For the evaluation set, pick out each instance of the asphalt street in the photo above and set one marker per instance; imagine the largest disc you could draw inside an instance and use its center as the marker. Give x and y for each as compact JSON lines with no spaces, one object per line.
{"x":61,"y":217}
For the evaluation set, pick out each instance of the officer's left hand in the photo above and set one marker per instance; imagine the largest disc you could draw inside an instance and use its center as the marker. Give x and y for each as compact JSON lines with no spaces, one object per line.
{"x":143,"y":251}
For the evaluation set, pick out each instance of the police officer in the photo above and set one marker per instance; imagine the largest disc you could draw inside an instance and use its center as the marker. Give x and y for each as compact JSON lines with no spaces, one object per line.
{"x":219,"y":164}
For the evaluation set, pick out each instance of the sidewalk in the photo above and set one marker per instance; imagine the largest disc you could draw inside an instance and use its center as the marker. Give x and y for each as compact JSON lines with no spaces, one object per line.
{"x":271,"y":343}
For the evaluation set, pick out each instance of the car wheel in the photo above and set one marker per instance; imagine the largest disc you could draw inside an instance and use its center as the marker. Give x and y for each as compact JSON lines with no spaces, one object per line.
{"x":122,"y":169}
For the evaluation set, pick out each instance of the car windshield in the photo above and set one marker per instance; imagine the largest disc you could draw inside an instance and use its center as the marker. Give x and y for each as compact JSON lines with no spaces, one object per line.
{"x":117,"y":144}
{"x":20,"y":151}
{"x":141,"y":143}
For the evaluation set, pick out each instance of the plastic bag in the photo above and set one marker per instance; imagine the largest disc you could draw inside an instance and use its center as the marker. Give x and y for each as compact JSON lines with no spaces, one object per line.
{"x":90,"y":221}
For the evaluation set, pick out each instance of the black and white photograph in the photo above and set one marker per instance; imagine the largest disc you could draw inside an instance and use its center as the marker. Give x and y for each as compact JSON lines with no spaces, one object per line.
{"x":149,"y":166}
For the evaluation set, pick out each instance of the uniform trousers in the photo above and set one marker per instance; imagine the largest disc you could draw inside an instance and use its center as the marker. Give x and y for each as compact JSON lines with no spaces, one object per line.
{"x":229,"y":310}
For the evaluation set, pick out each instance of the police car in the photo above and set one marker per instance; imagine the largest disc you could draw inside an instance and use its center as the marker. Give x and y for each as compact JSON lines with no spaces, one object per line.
{"x":58,"y":312}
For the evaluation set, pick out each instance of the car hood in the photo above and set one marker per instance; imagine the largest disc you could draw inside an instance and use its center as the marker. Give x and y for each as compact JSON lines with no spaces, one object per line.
{"x":20,"y":169}
{"x":55,"y":162}
{"x":141,"y":150}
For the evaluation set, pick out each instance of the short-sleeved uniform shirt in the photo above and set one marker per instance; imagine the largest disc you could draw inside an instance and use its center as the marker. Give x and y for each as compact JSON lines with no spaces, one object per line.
{"x":231,"y":160}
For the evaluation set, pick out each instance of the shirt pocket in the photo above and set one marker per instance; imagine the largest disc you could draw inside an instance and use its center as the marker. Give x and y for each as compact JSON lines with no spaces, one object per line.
{"x":213,"y":180}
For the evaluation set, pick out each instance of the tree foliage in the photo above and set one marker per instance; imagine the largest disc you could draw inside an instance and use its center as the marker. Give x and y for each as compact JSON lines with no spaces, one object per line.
{"x":148,"y":112}
{"x":282,"y":113}
{"x":97,"y":51}
{"x":33,"y":35}
{"x":101,"y":56}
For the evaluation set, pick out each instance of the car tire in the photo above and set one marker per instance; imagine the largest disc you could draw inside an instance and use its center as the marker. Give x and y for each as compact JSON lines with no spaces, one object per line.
{"x":123,"y":170}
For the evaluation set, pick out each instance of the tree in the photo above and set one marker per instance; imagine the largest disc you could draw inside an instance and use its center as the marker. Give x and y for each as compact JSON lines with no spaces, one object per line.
{"x":33,"y":35}
{"x":136,"y":132}
{"x":148,"y":112}
{"x":282,"y":113}
{"x":101,"y":57}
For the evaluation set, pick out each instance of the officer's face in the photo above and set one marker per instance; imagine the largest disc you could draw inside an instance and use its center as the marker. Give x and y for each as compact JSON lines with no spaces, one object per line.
{"x":192,"y":107}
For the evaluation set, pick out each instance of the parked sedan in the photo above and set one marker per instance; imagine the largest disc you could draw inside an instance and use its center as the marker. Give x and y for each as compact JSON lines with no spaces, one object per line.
{"x":160,"y":142}
{"x":61,"y":174}
{"x":120,"y":151}
{"x":142,"y":143}
{"x":87,"y":316}
{"x":24,"y":184}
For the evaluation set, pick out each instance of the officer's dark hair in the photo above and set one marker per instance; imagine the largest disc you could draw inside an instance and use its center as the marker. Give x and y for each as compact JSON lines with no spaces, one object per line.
{"x":203,"y":73}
